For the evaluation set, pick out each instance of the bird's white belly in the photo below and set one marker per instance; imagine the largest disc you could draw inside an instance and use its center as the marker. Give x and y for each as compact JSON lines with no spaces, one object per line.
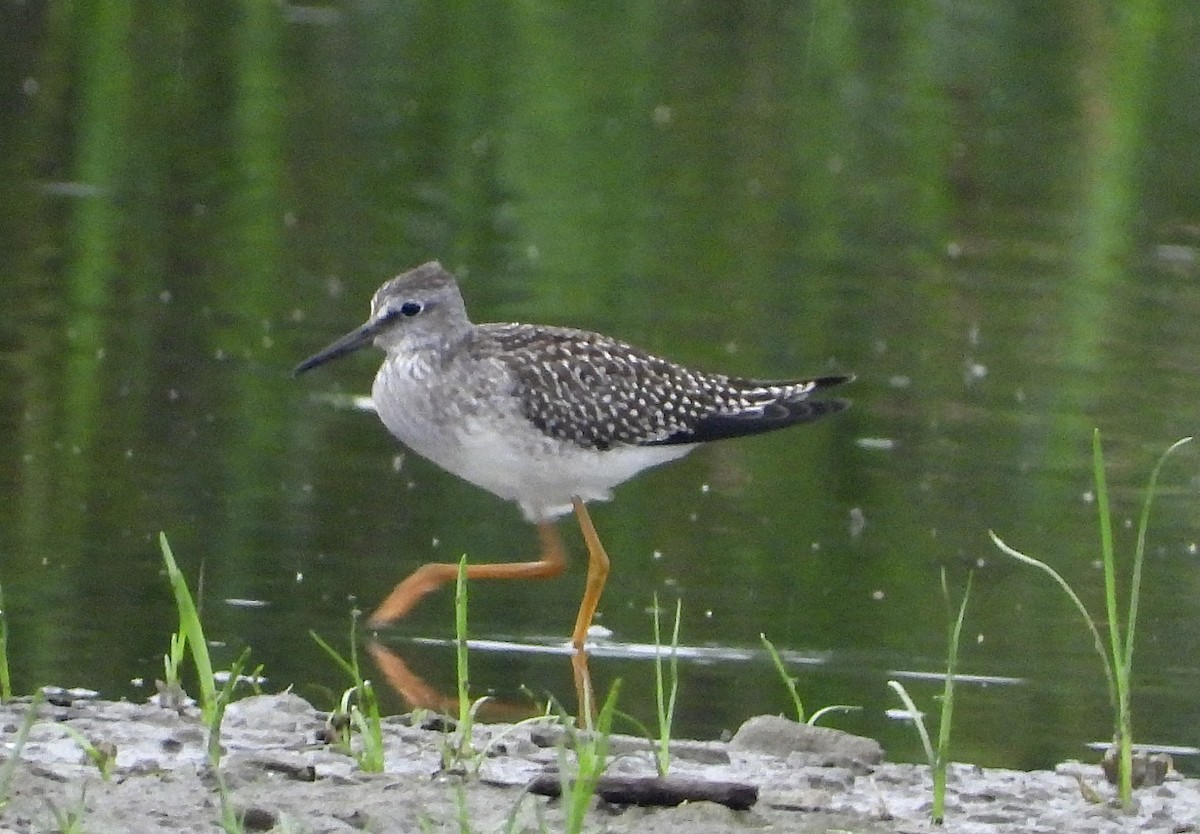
{"x":495,"y":447}
{"x":543,"y":481}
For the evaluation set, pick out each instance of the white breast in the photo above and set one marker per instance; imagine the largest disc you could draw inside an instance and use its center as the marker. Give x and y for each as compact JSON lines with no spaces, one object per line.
{"x":479,"y":433}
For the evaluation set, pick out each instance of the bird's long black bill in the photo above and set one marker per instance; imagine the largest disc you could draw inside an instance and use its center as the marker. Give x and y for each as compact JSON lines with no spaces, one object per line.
{"x":349,"y":343}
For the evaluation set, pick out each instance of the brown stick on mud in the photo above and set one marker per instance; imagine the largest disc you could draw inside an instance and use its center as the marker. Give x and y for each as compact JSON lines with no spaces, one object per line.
{"x":659,"y":791}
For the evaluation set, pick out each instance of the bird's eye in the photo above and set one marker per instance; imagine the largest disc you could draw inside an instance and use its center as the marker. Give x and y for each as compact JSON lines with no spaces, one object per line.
{"x":411,"y":308}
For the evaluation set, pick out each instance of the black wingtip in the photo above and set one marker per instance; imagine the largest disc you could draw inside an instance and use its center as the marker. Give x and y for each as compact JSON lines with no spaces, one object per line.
{"x":778,"y":414}
{"x":823,"y":382}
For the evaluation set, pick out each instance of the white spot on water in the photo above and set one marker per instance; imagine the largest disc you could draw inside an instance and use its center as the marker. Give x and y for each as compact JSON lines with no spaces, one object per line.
{"x":598,"y":632}
{"x":238,"y":602}
{"x":878,"y":444}
{"x":858,"y":522}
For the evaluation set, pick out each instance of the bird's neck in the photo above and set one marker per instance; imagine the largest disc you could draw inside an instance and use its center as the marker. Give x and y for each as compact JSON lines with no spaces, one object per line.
{"x":433,"y":347}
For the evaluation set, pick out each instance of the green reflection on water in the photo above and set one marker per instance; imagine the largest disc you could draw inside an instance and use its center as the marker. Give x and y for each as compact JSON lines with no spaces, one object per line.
{"x":985,"y":211}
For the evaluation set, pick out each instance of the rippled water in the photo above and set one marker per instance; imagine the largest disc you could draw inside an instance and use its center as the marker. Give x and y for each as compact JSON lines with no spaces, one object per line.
{"x":984,"y":213}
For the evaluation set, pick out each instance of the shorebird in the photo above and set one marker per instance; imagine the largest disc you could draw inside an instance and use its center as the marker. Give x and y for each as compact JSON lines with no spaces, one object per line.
{"x":548,"y":417}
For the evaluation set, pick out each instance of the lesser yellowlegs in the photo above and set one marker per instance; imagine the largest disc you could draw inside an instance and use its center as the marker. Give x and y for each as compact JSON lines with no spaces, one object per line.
{"x":549,"y":417}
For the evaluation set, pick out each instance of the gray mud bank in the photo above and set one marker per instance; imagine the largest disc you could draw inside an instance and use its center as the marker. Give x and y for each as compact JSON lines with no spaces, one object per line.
{"x":280,"y":777}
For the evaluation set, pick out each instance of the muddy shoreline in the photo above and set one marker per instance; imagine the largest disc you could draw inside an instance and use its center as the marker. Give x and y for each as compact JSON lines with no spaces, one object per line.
{"x":281,"y":777}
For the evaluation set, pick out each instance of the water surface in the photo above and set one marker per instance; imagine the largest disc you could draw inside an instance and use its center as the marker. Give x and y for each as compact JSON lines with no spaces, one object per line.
{"x":988,"y":214}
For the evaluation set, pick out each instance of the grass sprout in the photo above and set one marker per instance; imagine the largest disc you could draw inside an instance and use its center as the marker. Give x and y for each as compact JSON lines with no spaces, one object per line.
{"x":917,"y":717}
{"x":173,"y":662}
{"x":591,"y":760}
{"x":190,"y":635}
{"x":463,"y":749}
{"x":9,"y":767}
{"x":790,"y":681}
{"x":69,"y":820}
{"x":5,"y":675}
{"x":939,"y":756}
{"x":1117,"y":656}
{"x":358,"y":706}
{"x":666,"y":687}
{"x":102,"y":755}
{"x":946,"y":721}
{"x":458,"y":752}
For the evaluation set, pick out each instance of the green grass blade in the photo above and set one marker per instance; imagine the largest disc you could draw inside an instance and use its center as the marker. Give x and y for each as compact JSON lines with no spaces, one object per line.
{"x":173,"y":660}
{"x":461,"y":659}
{"x":103,"y":757}
{"x":945,"y":722}
{"x":917,"y":719}
{"x":345,"y":665}
{"x":1109,"y":559}
{"x":16,"y":745}
{"x":1140,"y":553}
{"x":370,"y":729}
{"x":223,"y":699}
{"x":951,"y":667}
{"x":5,"y":678}
{"x":1070,"y":592}
{"x":829,"y":710}
{"x":363,"y":714}
{"x":591,"y":756}
{"x":189,"y":626}
{"x":1118,"y":657}
{"x":788,"y":680}
{"x":664,"y":699}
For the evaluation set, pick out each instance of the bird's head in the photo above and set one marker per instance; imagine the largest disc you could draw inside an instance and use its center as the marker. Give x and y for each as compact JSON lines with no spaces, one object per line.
{"x":416,"y":308}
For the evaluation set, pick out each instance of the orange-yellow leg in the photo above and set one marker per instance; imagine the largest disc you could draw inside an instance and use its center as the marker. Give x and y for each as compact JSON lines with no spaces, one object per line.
{"x":596,"y":576}
{"x":432,"y":576}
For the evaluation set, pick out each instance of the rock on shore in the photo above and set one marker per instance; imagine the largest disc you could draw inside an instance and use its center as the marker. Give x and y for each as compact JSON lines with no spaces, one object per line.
{"x":279,"y":775}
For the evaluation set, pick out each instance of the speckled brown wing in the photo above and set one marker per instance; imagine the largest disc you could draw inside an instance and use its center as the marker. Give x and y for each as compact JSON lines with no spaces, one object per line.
{"x":598,"y":392}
